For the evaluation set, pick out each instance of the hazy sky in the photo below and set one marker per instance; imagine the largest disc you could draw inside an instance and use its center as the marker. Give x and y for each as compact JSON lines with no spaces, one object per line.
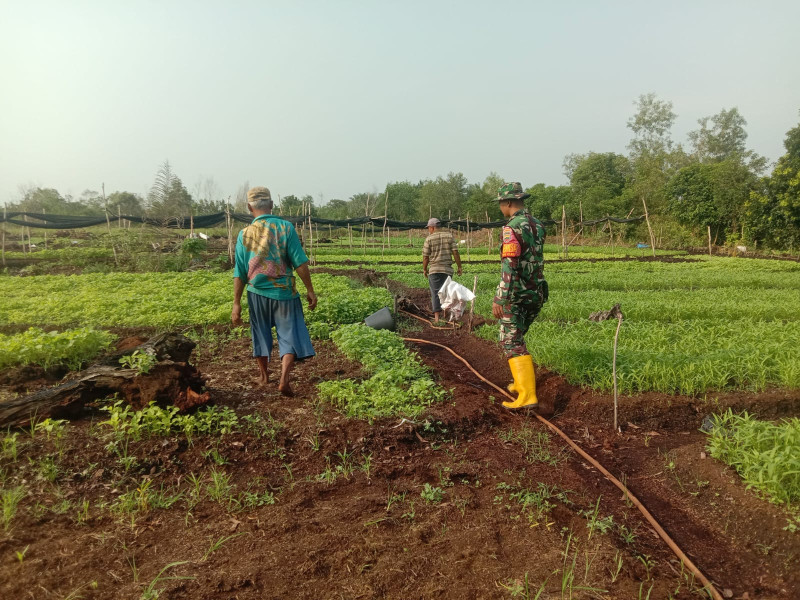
{"x":339,"y":97}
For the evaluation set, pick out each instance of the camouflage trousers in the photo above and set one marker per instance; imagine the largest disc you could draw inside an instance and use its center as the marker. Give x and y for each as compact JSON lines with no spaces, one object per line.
{"x":517,"y":319}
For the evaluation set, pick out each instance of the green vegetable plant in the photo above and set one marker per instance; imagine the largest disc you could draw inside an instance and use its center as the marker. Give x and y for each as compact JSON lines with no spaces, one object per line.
{"x":764,"y":454}
{"x":141,"y":362}
{"x":71,"y":347}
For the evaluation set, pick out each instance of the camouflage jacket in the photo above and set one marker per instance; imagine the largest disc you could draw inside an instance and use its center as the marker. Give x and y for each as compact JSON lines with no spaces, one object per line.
{"x":522,"y":255}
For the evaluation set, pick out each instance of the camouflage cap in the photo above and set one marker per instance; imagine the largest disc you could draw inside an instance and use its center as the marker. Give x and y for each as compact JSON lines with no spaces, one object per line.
{"x":511,"y":191}
{"x":259,"y":194}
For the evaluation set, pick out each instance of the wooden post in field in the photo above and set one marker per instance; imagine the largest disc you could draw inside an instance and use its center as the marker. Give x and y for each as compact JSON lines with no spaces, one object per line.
{"x":650,"y":229}
{"x":350,"y":236}
{"x":4,"y":235}
{"x":25,"y":218}
{"x":564,"y":229}
{"x":709,"y":240}
{"x":385,"y":216}
{"x":229,"y":226}
{"x":119,"y":217}
{"x":580,"y":203}
{"x":44,"y":212}
{"x":614,"y":368}
{"x":310,"y":236}
{"x":105,"y":204}
{"x":472,"y":304}
{"x":468,"y":244}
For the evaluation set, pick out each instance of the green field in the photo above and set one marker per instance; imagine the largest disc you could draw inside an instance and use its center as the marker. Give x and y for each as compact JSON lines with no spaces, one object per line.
{"x":690,"y":327}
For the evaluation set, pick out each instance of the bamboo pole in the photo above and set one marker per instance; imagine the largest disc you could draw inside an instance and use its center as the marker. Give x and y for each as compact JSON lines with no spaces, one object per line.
{"x":105,"y":204}
{"x":119,"y":217}
{"x":25,"y":218}
{"x":709,"y":240}
{"x":468,"y":238}
{"x":44,"y":212}
{"x":385,"y":216}
{"x":350,"y":235}
{"x":4,"y":235}
{"x":472,"y":303}
{"x":614,"y":369}
{"x":649,"y":228}
{"x":229,"y":226}
{"x":564,"y":229}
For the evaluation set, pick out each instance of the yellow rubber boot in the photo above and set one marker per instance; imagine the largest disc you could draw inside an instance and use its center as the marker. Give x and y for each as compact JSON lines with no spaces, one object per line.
{"x":524,"y":382}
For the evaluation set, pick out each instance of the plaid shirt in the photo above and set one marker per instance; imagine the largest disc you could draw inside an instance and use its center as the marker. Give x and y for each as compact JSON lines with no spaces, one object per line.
{"x":439,"y":247}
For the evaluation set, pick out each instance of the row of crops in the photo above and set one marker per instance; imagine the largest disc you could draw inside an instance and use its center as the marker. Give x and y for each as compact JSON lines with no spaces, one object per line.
{"x":397,"y":382}
{"x":690,"y":327}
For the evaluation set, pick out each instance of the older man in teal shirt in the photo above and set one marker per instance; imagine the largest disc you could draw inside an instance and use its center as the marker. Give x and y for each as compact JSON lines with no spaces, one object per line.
{"x":268,"y":252}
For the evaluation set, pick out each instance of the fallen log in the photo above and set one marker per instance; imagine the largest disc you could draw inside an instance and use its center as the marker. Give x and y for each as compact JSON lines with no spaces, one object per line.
{"x":171,"y":380}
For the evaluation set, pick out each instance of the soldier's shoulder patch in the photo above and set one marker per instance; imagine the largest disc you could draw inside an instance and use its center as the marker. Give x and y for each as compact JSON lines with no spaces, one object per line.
{"x":508,"y":235}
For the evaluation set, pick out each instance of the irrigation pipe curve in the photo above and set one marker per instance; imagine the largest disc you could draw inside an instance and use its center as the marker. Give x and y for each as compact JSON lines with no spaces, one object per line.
{"x":646,"y":513}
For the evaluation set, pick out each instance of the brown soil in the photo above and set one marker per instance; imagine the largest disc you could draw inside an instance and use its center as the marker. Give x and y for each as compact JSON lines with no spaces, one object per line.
{"x":369,"y":533}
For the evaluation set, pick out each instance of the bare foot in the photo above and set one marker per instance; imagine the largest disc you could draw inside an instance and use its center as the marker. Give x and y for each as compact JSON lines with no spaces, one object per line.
{"x":286,"y":389}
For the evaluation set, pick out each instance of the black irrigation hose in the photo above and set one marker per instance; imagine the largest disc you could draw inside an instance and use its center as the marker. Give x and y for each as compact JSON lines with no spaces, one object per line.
{"x":646,"y":513}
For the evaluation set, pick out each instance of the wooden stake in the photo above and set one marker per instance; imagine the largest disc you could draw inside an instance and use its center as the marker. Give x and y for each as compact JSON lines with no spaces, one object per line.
{"x":4,"y":235}
{"x":650,"y":229}
{"x":472,"y":304}
{"x":119,"y":217}
{"x":564,"y":229}
{"x":468,"y":244}
{"x":350,"y":235}
{"x":614,"y":370}
{"x":709,"y":240}
{"x":229,"y":225}
{"x":44,"y":212}
{"x":105,"y":204}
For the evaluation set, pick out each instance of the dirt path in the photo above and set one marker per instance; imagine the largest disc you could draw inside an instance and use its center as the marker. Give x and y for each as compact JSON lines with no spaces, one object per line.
{"x":353,"y":517}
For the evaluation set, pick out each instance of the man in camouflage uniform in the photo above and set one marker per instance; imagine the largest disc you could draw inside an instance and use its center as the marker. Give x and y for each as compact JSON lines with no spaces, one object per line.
{"x":522,"y":290}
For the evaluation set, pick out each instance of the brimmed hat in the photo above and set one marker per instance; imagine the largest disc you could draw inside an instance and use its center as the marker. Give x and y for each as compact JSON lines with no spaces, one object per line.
{"x":259,"y":194}
{"x":511,"y":191}
{"x":434,"y":222}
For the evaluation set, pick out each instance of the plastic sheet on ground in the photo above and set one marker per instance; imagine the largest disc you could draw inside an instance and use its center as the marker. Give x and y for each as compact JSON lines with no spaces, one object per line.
{"x":454,"y":297}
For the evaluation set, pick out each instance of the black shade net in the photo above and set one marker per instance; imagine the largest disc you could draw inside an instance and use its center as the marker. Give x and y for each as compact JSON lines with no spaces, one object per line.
{"x":45,"y":221}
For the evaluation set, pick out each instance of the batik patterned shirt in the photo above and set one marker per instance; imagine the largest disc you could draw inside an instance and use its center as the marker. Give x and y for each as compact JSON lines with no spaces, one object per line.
{"x":267,"y":252}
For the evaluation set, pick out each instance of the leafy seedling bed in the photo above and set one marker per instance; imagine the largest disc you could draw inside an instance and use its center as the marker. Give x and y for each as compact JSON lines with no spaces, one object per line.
{"x":468,"y":500}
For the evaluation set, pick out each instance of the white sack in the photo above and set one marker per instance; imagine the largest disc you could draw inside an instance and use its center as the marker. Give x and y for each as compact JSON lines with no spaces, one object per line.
{"x":453,"y":296}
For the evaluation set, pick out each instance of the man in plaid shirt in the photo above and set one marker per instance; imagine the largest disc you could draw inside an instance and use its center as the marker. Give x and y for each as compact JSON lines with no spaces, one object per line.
{"x":437,"y":264}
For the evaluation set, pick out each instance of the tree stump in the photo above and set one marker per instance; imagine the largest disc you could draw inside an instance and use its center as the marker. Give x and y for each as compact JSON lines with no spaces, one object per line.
{"x":171,"y":380}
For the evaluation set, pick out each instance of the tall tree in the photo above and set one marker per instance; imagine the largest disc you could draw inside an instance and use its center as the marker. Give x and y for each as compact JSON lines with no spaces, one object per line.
{"x":482,"y":199}
{"x":444,"y":197}
{"x":598,"y":183}
{"x":772,"y":213}
{"x":127,"y":203}
{"x":546,"y":200}
{"x":403,"y":200}
{"x":723,"y":137}
{"x":652,"y":152}
{"x":168,"y":196}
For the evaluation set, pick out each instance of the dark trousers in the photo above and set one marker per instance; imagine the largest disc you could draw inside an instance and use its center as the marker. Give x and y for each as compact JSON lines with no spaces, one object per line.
{"x":436,"y":281}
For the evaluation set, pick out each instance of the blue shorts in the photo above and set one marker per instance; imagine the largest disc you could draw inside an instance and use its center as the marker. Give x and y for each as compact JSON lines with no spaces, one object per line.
{"x":286,"y":316}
